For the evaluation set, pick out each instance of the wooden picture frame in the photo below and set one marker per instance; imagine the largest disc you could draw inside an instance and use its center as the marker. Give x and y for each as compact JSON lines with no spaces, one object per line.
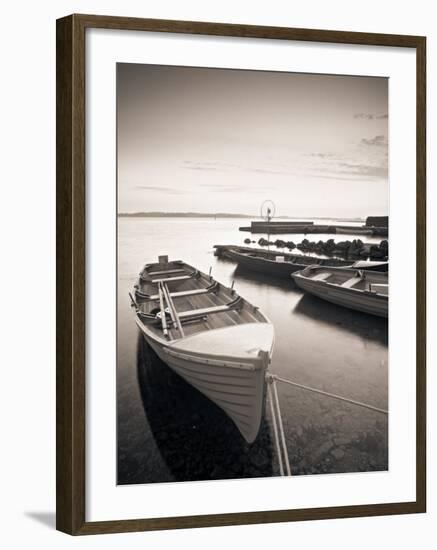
{"x":71,"y":247}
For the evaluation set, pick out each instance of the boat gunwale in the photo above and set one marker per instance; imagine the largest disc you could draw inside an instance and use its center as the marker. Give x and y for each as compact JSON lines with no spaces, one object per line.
{"x":295,"y":262}
{"x":165,"y":343}
{"x":245,"y":252}
{"x":300,"y":275}
{"x":231,"y":361}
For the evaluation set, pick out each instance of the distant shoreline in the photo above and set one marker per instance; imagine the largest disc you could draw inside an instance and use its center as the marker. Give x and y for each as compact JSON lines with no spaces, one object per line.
{"x":181,"y":215}
{"x":224,"y":215}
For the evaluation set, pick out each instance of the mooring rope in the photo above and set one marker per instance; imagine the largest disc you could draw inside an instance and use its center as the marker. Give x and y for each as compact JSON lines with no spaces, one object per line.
{"x":327,"y":394}
{"x":275,"y":410}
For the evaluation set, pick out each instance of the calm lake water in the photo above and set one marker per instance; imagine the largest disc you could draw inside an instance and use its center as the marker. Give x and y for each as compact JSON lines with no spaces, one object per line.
{"x":167,"y":431}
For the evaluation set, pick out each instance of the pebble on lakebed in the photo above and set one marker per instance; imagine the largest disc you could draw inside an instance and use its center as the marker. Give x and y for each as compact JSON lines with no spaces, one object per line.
{"x":337,"y":453}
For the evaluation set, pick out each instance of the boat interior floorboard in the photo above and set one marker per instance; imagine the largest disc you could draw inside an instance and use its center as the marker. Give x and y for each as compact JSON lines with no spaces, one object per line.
{"x":216,"y":297}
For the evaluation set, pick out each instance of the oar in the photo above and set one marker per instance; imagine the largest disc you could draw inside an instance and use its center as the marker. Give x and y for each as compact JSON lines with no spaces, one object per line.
{"x":163,"y":318}
{"x":134,"y":303}
{"x":173,"y":312}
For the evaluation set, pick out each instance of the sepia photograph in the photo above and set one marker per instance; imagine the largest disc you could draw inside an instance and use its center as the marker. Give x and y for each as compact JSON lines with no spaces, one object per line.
{"x":252,"y":274}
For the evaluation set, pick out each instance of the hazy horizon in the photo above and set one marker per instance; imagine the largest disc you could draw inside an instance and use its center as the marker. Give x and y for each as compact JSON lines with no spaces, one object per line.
{"x":222,"y":141}
{"x":229,"y":214}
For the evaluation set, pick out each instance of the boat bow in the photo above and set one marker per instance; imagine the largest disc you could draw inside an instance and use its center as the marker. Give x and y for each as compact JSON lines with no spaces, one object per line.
{"x":243,"y":341}
{"x":228,"y":365}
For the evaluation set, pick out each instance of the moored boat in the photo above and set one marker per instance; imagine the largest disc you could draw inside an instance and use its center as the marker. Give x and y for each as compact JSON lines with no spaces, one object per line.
{"x":365,"y":291}
{"x":353,"y":230}
{"x":209,"y":335}
{"x":283,"y":265}
{"x":372,"y":265}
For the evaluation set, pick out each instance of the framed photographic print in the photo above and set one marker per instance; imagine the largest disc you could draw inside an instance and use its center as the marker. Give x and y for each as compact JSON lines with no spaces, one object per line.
{"x":233,"y":204}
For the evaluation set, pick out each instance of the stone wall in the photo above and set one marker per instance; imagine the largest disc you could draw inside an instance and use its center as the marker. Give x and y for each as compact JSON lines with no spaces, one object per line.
{"x":377,"y":221}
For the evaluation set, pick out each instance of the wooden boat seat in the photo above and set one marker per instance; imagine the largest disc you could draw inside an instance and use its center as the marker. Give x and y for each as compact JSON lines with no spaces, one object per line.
{"x":321,"y":276}
{"x":208,"y":310}
{"x":171,"y":279}
{"x":167,"y":271}
{"x":351,"y":282}
{"x":183,"y":293}
{"x":378,"y":288}
{"x":203,"y":311}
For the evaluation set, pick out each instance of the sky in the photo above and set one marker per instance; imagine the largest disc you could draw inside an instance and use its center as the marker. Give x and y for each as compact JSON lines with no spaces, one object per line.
{"x":221,"y":140}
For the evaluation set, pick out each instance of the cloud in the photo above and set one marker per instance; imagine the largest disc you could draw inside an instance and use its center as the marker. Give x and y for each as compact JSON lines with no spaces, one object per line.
{"x":320,"y":155}
{"x":221,"y":188}
{"x":207,"y":166}
{"x":370,"y":116}
{"x":367,"y":116}
{"x":205,"y":187}
{"x":358,"y":166}
{"x":165,"y":190}
{"x":377,"y":141}
{"x":335,"y":177}
{"x":352,"y":172}
{"x":369,"y":170}
{"x":229,"y":167}
{"x":201,"y":168}
{"x":266,"y":171}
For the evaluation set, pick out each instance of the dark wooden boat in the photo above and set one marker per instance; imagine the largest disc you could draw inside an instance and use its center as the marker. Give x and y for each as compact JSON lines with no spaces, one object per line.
{"x":208,"y":334}
{"x":283,"y":265}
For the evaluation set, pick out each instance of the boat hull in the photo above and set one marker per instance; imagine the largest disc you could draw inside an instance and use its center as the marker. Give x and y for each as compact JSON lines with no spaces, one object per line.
{"x":235,"y":384}
{"x":365,"y":302}
{"x":267,"y":267}
{"x":353,"y":231}
{"x":282,"y":269}
{"x":292,"y":262}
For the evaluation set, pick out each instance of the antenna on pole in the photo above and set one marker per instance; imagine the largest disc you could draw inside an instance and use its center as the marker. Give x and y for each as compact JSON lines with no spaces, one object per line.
{"x":268,"y":211}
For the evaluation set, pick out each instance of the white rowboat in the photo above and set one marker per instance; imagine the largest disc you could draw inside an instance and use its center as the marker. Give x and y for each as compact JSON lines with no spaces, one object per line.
{"x":357,"y":289}
{"x":210,"y":336}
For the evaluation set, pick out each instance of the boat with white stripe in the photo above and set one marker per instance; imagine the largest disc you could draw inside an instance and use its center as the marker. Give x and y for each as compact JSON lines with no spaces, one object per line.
{"x":209,"y":335}
{"x":365,"y":291}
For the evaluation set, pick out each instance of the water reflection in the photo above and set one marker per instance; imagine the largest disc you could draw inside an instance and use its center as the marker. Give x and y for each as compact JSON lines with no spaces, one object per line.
{"x":241,"y":273}
{"x":361,"y":324}
{"x":168,"y":431}
{"x":197,"y":441}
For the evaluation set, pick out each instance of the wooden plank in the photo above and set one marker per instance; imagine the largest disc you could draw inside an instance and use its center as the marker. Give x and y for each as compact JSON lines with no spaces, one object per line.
{"x":185,"y":293}
{"x":173,"y":311}
{"x":171,"y":279}
{"x":163,"y":318}
{"x":162,"y":290}
{"x":204,"y":311}
{"x":320,"y":276}
{"x":350,"y":282}
{"x":166,"y":271}
{"x":379,"y":288}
